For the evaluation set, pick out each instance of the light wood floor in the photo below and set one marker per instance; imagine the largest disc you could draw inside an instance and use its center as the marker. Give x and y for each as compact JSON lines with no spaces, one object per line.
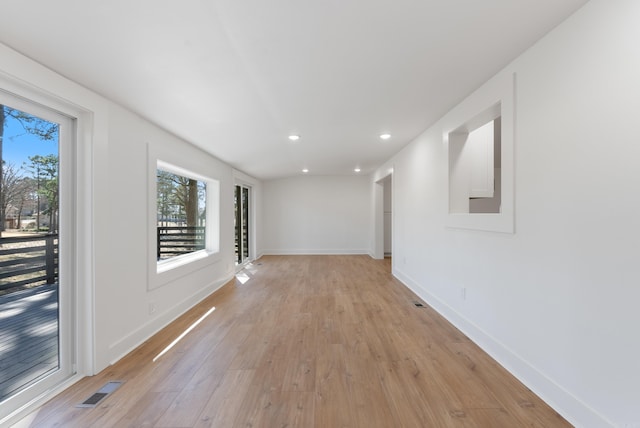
{"x":308,"y":341}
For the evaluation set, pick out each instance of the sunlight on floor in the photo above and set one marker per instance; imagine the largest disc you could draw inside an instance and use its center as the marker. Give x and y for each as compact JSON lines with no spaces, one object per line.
{"x":242,"y":277}
{"x":184,"y":333}
{"x":11,"y":312}
{"x":252,"y":268}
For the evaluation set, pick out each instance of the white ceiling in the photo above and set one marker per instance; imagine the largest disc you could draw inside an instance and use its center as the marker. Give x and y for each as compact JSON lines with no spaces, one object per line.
{"x":236,"y":77}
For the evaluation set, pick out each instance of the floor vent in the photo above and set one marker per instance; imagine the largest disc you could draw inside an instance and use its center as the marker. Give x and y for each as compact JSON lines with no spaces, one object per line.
{"x":418,"y":304}
{"x":100,"y":394}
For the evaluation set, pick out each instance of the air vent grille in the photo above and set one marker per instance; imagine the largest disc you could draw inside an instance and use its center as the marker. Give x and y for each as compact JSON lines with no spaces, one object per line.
{"x":101,"y":394}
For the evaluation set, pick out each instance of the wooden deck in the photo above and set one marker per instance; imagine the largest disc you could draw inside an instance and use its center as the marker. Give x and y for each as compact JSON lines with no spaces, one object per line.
{"x":28,"y":337}
{"x":306,"y":341}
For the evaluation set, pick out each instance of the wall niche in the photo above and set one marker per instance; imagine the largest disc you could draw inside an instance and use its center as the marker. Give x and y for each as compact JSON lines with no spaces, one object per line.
{"x":479,"y":134}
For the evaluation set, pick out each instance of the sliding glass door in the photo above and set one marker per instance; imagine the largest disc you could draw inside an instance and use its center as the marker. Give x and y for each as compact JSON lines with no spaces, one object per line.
{"x":36,"y":346}
{"x":242,"y":198}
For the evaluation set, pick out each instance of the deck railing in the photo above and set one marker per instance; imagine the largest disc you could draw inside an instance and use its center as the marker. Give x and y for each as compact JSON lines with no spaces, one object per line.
{"x":177,"y":240}
{"x":28,"y":260}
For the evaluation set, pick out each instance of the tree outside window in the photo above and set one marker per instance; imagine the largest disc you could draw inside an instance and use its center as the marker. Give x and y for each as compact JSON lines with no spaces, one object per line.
{"x":181,"y":214}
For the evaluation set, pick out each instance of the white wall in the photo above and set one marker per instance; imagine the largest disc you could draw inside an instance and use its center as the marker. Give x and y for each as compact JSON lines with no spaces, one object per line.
{"x":316,"y":215}
{"x":113,"y":227}
{"x":557,"y":301}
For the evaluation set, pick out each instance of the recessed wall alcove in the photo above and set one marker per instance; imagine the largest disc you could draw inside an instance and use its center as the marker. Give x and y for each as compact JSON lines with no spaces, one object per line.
{"x":479,"y":135}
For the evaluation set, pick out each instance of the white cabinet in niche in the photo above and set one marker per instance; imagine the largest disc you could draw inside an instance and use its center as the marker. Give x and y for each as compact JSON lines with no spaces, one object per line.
{"x":480,"y":149}
{"x":474,"y":167}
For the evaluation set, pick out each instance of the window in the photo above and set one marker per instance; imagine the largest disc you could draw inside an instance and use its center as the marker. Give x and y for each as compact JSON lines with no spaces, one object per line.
{"x":185,"y":221}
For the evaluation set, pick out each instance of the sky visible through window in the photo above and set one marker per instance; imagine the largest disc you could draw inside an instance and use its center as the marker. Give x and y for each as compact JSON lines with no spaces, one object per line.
{"x":18,"y":145}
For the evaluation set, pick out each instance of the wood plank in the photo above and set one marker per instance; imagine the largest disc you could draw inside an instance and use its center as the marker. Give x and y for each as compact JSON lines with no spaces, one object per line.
{"x":223,"y":407}
{"x":268,"y":409}
{"x":333,"y":406}
{"x":147,"y":410}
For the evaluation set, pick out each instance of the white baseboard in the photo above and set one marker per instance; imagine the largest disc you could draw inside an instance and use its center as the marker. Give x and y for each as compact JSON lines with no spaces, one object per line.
{"x":571,"y":408}
{"x":302,"y":252}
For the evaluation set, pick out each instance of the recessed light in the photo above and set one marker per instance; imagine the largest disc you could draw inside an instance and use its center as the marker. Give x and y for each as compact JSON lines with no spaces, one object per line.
{"x":294,"y":137}
{"x":305,"y":170}
{"x":385,"y":136}
{"x":357,"y":169}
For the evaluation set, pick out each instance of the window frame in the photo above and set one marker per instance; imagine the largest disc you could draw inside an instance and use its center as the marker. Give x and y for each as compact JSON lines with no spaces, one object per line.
{"x":165,"y":271}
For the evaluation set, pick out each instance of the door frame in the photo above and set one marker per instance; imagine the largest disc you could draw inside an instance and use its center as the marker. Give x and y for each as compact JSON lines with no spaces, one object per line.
{"x":378,"y":216}
{"x":76,"y":248}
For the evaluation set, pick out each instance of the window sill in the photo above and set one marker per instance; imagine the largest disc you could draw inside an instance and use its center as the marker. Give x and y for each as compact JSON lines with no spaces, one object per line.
{"x":176,"y":262}
{"x":168,"y":271}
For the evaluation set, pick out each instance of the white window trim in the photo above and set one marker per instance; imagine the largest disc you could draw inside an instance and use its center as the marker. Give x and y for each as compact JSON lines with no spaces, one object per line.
{"x":167,"y":271}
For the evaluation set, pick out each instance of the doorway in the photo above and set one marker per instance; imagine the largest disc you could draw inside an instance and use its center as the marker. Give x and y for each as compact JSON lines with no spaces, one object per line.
{"x":383,"y":217}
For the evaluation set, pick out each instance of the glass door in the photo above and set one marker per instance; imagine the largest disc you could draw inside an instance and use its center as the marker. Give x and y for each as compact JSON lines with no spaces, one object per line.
{"x":242,"y":223}
{"x":36,"y":350}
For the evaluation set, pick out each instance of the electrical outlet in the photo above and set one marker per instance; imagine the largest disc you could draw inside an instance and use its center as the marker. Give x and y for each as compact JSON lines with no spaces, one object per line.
{"x":152,"y":308}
